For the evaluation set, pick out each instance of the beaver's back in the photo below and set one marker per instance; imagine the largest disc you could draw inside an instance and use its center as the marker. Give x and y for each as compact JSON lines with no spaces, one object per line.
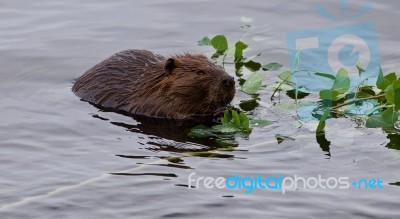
{"x":113,"y":81}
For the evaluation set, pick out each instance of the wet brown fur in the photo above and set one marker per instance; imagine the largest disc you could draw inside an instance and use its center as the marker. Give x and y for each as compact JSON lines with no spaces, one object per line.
{"x":141,"y":82}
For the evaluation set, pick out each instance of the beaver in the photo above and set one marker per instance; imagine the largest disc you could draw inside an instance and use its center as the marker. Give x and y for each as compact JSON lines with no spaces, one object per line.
{"x":139,"y":82}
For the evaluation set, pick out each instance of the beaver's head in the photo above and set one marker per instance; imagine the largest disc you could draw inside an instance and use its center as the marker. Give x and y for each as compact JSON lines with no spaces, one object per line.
{"x":199,"y":84}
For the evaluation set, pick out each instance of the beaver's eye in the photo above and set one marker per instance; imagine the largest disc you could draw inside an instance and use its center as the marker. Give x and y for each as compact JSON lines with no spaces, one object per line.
{"x":200,"y":72}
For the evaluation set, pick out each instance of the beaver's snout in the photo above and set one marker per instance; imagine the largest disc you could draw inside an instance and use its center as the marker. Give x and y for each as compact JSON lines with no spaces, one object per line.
{"x":228,"y":83}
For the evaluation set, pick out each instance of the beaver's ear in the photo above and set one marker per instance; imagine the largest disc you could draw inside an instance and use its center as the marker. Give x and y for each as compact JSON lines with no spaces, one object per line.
{"x":169,"y":66}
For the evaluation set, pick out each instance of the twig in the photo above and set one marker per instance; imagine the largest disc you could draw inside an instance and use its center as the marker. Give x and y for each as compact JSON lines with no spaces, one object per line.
{"x":356,"y":100}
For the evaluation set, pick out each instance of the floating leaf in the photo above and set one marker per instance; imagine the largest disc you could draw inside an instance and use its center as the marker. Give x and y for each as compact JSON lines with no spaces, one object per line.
{"x":230,"y":128}
{"x":290,"y":106}
{"x":200,"y":131}
{"x":246,"y":26}
{"x":281,"y":138}
{"x":326,"y":75}
{"x":248,"y":105}
{"x":299,"y":94}
{"x":246,"y":19}
{"x":328,"y":94}
{"x":285,"y":76}
{"x":342,"y":82}
{"x":253,"y":84}
{"x":252,"y":66}
{"x":204,"y":42}
{"x":272,"y":66}
{"x":220,"y":43}
{"x":260,"y":123}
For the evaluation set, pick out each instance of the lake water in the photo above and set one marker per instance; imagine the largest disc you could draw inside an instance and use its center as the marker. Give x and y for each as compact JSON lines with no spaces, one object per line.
{"x":63,"y":158}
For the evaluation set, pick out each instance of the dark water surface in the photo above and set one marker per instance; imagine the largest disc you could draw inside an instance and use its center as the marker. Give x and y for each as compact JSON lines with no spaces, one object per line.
{"x":57,"y":152}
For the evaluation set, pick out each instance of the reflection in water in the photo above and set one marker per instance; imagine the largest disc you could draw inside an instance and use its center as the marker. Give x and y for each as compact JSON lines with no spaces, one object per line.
{"x":146,"y":174}
{"x":324,"y":144}
{"x":394,"y":141}
{"x":171,"y":136}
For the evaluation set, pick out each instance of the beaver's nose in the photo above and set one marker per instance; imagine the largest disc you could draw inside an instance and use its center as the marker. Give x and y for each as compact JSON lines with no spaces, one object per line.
{"x":228,"y":82}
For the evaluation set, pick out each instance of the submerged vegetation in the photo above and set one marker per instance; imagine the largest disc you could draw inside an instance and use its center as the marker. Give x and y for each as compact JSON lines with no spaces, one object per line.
{"x":377,"y":105}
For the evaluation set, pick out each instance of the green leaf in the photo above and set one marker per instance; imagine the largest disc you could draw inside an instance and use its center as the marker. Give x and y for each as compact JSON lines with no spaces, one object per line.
{"x":260,"y":123}
{"x":328,"y":94}
{"x":392,"y":77}
{"x":397,"y":98}
{"x":396,"y":94}
{"x":252,"y":66}
{"x":380,"y":82}
{"x":200,"y":131}
{"x":389,"y":94}
{"x":220,"y":43}
{"x":236,"y":118}
{"x":290,"y":106}
{"x":281,"y":138}
{"x":376,"y":121}
{"x":227,"y":117}
{"x":248,"y":105}
{"x":239,"y":47}
{"x":285,"y":76}
{"x":326,"y":75}
{"x":384,"y":81}
{"x":204,"y":42}
{"x":244,"y":120}
{"x":300,"y":94}
{"x":322,"y":122}
{"x":390,"y":116}
{"x":216,"y":55}
{"x":297,"y":59}
{"x":360,"y":68}
{"x":253,"y":83}
{"x":230,"y":128}
{"x":272,"y":66}
{"x":342,"y":82}
{"x":365,"y":92}
{"x":239,"y":69}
